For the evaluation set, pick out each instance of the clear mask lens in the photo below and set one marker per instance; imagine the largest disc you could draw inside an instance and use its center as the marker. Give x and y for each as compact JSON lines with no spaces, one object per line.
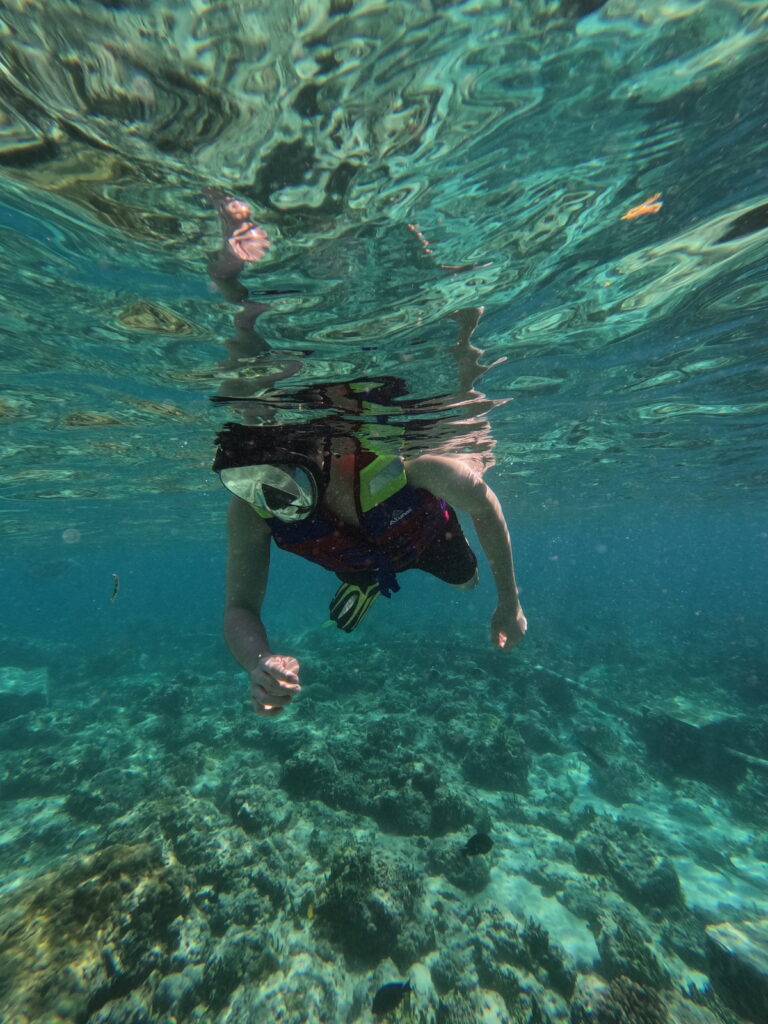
{"x":290,"y":493}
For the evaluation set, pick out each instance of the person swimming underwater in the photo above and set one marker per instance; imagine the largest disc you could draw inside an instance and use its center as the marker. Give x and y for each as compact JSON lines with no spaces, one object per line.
{"x":365,"y":516}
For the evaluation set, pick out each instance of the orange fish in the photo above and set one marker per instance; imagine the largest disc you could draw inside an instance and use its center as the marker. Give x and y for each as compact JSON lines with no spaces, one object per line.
{"x":647,"y":206}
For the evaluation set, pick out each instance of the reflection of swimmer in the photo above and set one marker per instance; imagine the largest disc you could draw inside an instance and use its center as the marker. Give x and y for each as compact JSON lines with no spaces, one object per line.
{"x":366,"y":516}
{"x":250,"y":358}
{"x":255,"y":366}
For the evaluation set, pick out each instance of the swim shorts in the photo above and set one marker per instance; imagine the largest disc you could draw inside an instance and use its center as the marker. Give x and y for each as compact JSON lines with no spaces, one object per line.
{"x":449,"y":557}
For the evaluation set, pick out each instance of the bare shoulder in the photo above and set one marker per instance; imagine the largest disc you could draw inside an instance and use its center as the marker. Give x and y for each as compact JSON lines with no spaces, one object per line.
{"x":439,"y":467}
{"x":445,"y":477}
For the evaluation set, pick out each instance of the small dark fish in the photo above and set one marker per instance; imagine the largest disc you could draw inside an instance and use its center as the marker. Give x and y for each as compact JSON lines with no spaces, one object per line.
{"x":389,"y":996}
{"x":479,"y":843}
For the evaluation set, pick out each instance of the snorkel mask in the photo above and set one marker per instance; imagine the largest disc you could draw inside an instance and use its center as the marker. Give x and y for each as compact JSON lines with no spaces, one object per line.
{"x":262,"y":466}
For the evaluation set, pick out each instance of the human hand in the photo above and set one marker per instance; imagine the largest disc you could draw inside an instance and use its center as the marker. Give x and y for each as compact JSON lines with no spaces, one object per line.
{"x":248,"y":243}
{"x":274,"y":683}
{"x":508,"y":626}
{"x":246,"y":240}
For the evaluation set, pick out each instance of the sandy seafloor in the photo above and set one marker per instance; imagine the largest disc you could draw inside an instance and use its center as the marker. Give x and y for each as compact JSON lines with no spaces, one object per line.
{"x":168,"y":856}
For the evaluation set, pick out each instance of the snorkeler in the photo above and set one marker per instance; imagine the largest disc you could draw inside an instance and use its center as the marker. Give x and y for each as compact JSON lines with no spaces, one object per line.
{"x":328,"y":493}
{"x":364,"y":516}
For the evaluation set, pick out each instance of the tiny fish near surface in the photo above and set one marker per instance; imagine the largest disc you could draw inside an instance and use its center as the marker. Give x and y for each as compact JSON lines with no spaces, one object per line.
{"x":479,"y":843}
{"x":389,"y":997}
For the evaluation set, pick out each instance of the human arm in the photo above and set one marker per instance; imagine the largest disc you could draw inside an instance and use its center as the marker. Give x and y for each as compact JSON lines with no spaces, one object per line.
{"x":461,"y":486}
{"x":274,"y":677}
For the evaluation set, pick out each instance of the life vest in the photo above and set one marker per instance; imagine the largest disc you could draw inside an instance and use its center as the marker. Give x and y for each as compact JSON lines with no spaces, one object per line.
{"x":398,"y":522}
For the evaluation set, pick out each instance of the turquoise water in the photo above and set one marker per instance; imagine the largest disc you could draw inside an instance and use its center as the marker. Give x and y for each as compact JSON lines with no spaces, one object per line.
{"x":617,"y":394}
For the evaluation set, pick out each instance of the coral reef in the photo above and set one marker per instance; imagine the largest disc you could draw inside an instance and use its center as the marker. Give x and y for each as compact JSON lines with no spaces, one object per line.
{"x":621,"y":850}
{"x":626,"y":950}
{"x":174,"y":858}
{"x":90,"y":932}
{"x":369,"y":908}
{"x":621,"y":1001}
{"x":354,"y":774}
{"x":497,"y":758}
{"x":501,"y":943}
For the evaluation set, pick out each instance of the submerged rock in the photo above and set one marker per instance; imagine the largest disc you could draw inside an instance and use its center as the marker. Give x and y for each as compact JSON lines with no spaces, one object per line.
{"x":476,"y":1007}
{"x":405,"y":811}
{"x":471,"y":874}
{"x":108,"y":794}
{"x":303,"y":990}
{"x":369,"y":908}
{"x":178,"y":991}
{"x":451,"y":810}
{"x":498,"y":760}
{"x":130,"y":1009}
{"x":682,"y":933}
{"x":313,"y":773}
{"x":626,"y":950}
{"x":621,"y":850}
{"x":243,"y":957}
{"x":504,"y":955}
{"x":738,"y":965}
{"x":620,"y":1001}
{"x":683,"y":1011}
{"x":405,"y":798}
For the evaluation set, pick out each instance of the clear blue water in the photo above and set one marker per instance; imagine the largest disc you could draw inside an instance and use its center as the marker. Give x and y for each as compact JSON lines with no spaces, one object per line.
{"x":626,"y":394}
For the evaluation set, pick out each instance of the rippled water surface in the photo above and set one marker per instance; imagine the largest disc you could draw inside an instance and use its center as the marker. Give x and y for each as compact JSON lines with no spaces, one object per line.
{"x":627,"y":355}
